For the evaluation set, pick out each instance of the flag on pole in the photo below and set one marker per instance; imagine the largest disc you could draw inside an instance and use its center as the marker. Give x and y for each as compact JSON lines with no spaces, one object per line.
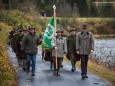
{"x":48,"y":35}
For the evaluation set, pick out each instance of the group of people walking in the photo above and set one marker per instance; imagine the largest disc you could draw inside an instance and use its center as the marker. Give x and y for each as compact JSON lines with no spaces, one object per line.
{"x":24,"y":43}
{"x":76,"y":46}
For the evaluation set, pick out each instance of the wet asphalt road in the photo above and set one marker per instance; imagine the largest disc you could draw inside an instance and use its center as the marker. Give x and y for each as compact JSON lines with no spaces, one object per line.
{"x":44,"y":75}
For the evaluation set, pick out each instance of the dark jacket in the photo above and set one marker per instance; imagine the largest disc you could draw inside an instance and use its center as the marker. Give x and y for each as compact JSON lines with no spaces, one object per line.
{"x":71,"y":44}
{"x":30,"y":43}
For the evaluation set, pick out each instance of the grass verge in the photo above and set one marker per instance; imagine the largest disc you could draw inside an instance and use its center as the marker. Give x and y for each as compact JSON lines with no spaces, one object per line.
{"x":99,"y":70}
{"x":8,"y":75}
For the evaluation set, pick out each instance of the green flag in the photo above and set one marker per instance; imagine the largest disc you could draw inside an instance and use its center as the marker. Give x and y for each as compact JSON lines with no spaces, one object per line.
{"x":48,"y":35}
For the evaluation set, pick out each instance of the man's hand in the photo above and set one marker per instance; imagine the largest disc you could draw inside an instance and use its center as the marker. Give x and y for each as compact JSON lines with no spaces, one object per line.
{"x":55,"y":48}
{"x":92,"y":51}
{"x":77,"y":52}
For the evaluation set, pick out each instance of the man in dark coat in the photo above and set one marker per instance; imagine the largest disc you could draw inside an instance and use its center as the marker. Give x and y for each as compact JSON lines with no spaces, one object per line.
{"x":71,"y":46}
{"x":29,"y":45}
{"x":22,"y":54}
{"x":15,"y":45}
{"x":84,"y":46}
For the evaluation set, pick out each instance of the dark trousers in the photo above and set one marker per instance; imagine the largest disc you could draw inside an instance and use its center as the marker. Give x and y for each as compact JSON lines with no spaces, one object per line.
{"x":58,"y":63}
{"x":73,"y":60}
{"x":43,"y":52}
{"x":84,"y":62}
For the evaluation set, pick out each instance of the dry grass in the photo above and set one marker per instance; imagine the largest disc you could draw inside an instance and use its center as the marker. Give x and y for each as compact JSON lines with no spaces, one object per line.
{"x":102,"y":71}
{"x":7,"y":74}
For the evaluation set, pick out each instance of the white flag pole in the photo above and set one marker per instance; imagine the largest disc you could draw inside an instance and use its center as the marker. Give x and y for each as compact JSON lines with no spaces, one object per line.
{"x":54,"y":7}
{"x":55,"y":27}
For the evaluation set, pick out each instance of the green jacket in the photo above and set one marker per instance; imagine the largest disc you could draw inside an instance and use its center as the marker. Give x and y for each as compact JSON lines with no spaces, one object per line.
{"x":71,"y":44}
{"x":30,"y":43}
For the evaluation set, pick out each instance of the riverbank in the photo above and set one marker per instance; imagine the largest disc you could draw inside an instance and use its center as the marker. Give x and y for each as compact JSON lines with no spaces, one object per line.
{"x":104,"y":36}
{"x":99,"y":70}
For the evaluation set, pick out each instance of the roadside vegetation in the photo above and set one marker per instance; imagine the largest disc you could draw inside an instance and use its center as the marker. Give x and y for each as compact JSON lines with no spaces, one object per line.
{"x":7,"y":73}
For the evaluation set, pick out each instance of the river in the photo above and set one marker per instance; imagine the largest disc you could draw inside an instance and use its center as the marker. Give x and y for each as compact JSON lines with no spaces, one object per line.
{"x":104,"y":51}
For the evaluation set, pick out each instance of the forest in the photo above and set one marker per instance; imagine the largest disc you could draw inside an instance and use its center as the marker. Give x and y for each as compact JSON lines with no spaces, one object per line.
{"x":71,"y":8}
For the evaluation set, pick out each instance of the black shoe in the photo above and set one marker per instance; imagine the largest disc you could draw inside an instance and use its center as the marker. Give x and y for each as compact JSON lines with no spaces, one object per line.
{"x":61,"y":66}
{"x":58,"y":74}
{"x":72,"y":70}
{"x":33,"y":74}
{"x":83,"y":77}
{"x":86,"y":76}
{"x":24,"y":69}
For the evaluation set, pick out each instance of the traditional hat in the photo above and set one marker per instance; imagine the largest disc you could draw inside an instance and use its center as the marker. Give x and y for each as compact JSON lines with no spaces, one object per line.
{"x":72,"y":29}
{"x":84,"y":27}
{"x":59,"y":30}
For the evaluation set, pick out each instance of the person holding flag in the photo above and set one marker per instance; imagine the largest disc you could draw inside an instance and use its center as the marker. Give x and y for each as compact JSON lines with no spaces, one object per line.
{"x":56,"y":43}
{"x":47,"y":41}
{"x":59,"y":49}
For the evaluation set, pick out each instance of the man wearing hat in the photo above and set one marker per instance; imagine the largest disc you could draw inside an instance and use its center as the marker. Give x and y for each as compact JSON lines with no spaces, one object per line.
{"x":29,"y":45}
{"x":71,"y":46}
{"x":84,"y":46}
{"x":59,"y":49}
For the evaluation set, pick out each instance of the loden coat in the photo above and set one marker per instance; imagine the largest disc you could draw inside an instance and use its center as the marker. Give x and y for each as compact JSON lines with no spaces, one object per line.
{"x":60,"y":43}
{"x":84,"y":42}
